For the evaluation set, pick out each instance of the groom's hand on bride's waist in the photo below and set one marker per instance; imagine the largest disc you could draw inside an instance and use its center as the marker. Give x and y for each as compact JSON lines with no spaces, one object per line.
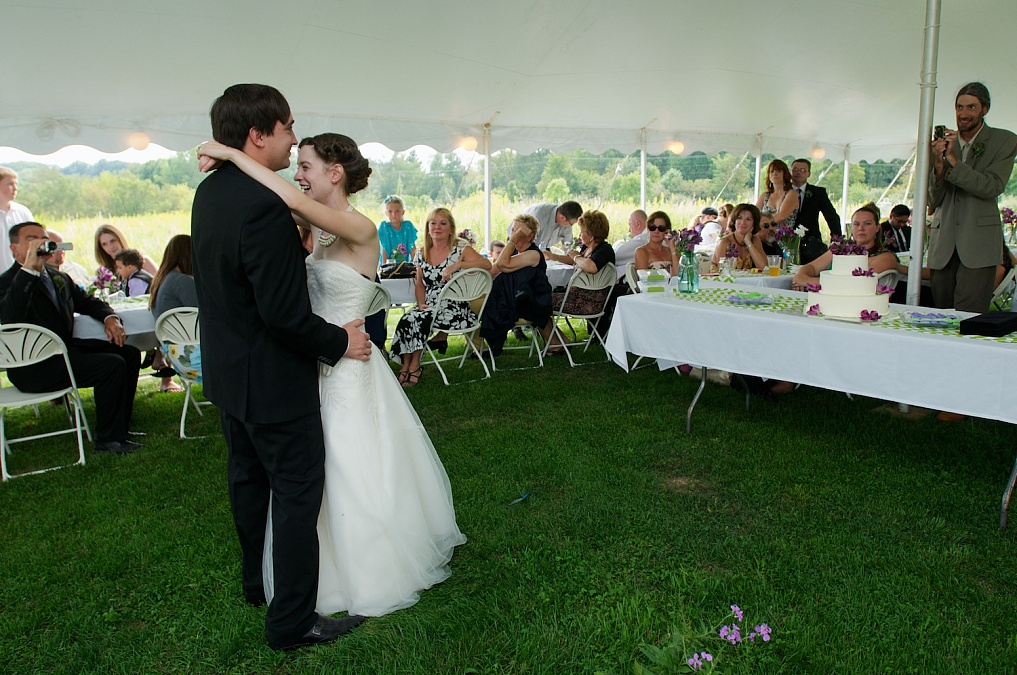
{"x":359,"y":342}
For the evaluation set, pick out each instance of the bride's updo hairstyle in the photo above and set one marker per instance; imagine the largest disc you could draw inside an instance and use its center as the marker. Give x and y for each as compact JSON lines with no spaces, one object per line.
{"x":339,"y":149}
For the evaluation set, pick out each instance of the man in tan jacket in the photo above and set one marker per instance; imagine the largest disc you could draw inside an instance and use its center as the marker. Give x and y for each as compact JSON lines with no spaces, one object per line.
{"x":971,"y":167}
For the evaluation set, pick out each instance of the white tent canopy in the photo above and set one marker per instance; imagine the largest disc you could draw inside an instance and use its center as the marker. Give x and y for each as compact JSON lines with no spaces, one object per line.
{"x":736,"y":75}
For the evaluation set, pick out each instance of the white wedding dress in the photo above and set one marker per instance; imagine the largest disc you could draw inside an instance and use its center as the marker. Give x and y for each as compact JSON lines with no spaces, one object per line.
{"x":387,"y":528}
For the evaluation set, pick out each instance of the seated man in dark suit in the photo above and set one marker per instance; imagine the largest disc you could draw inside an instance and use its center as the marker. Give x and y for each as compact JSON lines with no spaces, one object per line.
{"x":897,"y":229}
{"x":32,"y":292}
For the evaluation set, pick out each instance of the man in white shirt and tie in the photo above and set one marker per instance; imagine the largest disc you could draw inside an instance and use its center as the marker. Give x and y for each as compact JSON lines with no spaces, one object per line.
{"x":812,"y":200}
{"x":897,"y":229}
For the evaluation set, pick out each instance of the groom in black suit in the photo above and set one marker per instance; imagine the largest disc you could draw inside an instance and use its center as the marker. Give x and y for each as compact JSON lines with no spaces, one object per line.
{"x":32,"y":292}
{"x":812,"y":200}
{"x":260,"y":348}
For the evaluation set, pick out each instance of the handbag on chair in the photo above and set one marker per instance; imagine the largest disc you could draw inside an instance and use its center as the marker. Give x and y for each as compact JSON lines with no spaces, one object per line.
{"x":398,"y":270}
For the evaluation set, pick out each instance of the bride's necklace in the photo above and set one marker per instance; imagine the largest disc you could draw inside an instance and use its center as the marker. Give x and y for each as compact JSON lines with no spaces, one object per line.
{"x":327,"y":240}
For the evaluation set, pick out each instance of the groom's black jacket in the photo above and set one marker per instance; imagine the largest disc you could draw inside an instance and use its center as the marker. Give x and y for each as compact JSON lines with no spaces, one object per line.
{"x":260,"y":343}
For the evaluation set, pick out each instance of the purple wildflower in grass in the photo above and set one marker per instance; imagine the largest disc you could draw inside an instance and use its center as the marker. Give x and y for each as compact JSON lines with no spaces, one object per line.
{"x":813,"y":311}
{"x":815,"y":288}
{"x":695,"y":662}
{"x":737,"y":612}
{"x":732,"y":633}
{"x":707,"y":656}
{"x":764,"y":630}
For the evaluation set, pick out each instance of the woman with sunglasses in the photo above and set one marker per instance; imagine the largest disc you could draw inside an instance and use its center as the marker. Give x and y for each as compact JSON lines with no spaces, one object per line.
{"x":659,"y":251}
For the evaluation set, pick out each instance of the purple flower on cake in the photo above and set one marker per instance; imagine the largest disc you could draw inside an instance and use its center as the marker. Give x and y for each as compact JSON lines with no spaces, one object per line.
{"x":859,"y":272}
{"x":813,"y":288}
{"x":841,"y":246}
{"x":884,"y":290}
{"x":870,"y":316}
{"x":813,"y":310}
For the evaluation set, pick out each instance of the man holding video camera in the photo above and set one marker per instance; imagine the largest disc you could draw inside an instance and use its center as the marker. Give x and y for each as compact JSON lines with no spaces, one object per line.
{"x":32,"y":292}
{"x":971,"y":167}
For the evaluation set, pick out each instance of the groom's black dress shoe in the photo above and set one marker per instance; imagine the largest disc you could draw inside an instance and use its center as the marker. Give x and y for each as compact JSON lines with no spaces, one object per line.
{"x":326,"y":629}
{"x":116,"y":447}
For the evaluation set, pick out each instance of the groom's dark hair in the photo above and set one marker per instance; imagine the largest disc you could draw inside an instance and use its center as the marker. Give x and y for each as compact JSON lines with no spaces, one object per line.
{"x":246,"y":106}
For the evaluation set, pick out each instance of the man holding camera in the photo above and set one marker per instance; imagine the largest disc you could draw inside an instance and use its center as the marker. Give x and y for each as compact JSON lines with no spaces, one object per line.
{"x":971,"y":167}
{"x":32,"y":292}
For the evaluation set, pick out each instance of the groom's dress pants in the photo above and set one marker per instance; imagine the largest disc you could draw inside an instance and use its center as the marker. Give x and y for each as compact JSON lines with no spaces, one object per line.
{"x":286,"y":460}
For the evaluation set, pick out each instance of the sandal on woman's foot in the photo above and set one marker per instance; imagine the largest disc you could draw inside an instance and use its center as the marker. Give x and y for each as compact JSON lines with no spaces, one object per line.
{"x":171,"y":388}
{"x":412,"y":377}
{"x":402,"y":376}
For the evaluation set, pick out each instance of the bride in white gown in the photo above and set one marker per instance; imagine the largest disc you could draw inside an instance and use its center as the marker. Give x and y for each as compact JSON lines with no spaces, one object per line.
{"x":387,"y":527}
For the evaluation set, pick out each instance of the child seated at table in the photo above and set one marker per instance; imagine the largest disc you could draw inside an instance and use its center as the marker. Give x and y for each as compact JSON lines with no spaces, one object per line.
{"x":135,"y":280}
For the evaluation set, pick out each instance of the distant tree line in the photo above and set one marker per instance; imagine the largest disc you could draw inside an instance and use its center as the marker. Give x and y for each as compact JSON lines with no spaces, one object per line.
{"x":124,"y":189}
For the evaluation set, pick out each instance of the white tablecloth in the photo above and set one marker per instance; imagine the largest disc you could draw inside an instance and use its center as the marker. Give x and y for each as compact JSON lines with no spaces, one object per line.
{"x":963,"y":374}
{"x":139,"y":324}
{"x":401,"y":290}
{"x":559,"y":274}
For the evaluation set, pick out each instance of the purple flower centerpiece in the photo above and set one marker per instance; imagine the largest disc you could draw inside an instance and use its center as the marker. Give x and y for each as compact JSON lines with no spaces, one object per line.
{"x":841,"y":246}
{"x":688,"y":277}
{"x":1010,"y":221}
{"x":401,"y":253}
{"x":859,"y":272}
{"x":468,"y":236}
{"x":869,"y":316}
{"x":732,"y":251}
{"x":103,"y":285}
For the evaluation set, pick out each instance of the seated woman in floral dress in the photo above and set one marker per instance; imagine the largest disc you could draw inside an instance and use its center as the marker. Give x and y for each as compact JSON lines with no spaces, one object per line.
{"x":439,"y":259}
{"x":591,"y":257}
{"x":521,"y":289}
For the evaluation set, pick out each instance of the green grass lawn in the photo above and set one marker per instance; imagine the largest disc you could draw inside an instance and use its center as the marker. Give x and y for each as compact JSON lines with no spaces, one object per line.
{"x":866,"y":541}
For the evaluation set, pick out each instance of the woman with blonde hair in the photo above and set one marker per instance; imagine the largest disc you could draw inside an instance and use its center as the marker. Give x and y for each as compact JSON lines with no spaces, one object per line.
{"x":439,"y":259}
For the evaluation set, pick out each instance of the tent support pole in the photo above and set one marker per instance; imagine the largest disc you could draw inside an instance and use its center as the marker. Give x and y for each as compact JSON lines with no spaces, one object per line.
{"x":844,"y":186}
{"x":642,"y":169}
{"x":759,"y":167}
{"x":923,"y":161}
{"x":487,"y":185}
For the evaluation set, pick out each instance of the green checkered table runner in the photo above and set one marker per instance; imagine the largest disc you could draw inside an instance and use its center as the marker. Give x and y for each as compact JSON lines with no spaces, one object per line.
{"x":783,"y":304}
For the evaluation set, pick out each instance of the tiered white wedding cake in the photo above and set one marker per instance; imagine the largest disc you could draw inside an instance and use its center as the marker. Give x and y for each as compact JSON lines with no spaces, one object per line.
{"x":845,"y":293}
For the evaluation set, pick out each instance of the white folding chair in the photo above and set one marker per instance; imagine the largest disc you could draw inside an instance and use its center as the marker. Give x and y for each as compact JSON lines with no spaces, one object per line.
{"x":532,"y":348}
{"x":1005,"y":290}
{"x":632,"y":278}
{"x":888,"y":278}
{"x":179,"y":327}
{"x":464,"y":287}
{"x":21,"y":345}
{"x":602,"y":280}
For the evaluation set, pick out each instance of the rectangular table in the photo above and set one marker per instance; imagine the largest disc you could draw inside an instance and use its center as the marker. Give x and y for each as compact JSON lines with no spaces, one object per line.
{"x":929,"y":367}
{"x":139,"y":324}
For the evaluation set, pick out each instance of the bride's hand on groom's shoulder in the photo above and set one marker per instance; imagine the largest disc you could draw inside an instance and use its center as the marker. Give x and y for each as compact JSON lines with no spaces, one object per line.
{"x":211,"y":155}
{"x":359,"y":342}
